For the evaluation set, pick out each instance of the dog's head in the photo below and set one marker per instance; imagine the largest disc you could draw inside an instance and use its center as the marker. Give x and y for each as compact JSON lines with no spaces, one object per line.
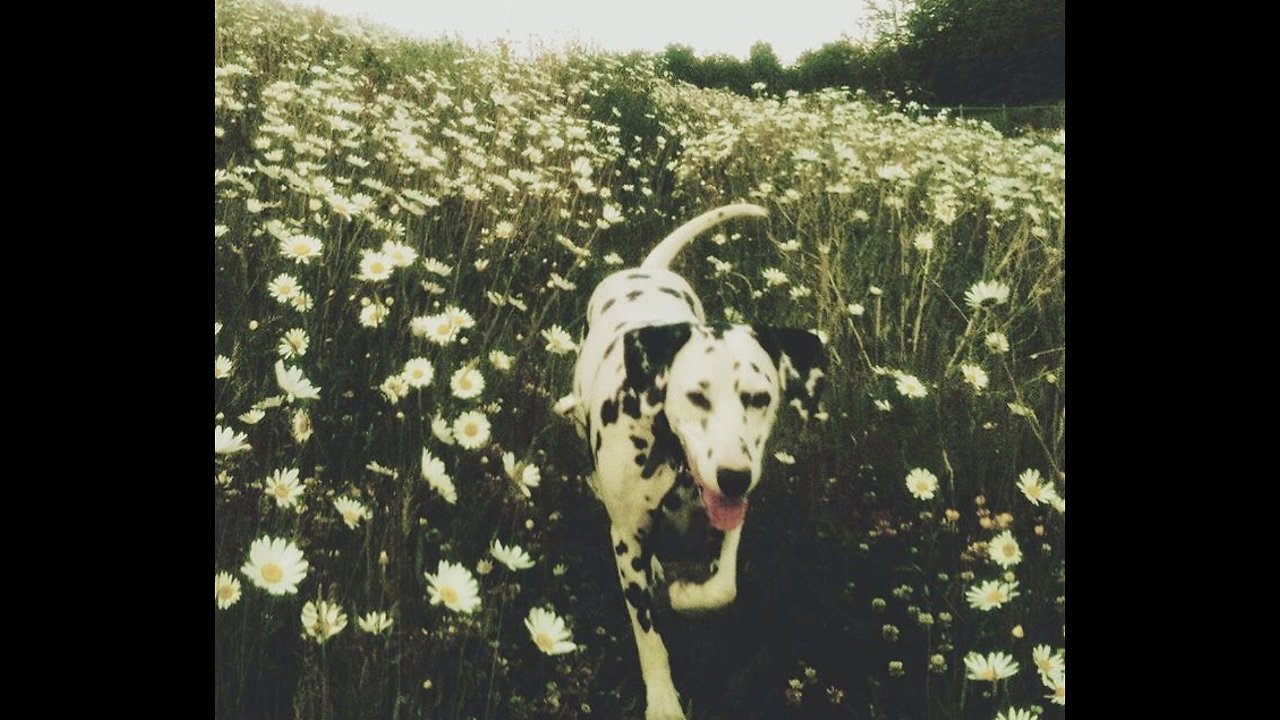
{"x":722,"y":387}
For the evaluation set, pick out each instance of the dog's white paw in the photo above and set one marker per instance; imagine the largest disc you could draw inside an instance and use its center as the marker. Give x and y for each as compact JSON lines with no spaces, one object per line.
{"x":687,"y":596}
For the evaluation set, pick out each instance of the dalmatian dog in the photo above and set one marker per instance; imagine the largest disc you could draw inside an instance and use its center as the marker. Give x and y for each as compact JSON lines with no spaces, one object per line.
{"x":677,"y":412}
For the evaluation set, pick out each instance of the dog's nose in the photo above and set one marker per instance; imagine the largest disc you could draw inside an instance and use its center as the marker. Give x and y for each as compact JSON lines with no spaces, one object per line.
{"x":733,"y":483}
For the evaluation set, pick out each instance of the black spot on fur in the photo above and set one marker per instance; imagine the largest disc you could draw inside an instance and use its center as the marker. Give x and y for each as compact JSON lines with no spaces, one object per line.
{"x":639,"y":442}
{"x":700,"y":400}
{"x":621,"y":549}
{"x":634,"y":294}
{"x":609,"y":412}
{"x":637,"y":276}
{"x":655,"y":396}
{"x":710,"y":349}
{"x":755,"y":400}
{"x":599,"y":441}
{"x":607,"y":304}
{"x":640,"y":459}
{"x":631,"y":405}
{"x":671,"y":501}
{"x":688,"y":300}
{"x":609,"y":348}
{"x":673,"y":293}
{"x":637,"y":564}
{"x":755,"y":368}
{"x":704,"y":384}
{"x":666,"y":447}
{"x":684,"y":479}
{"x":639,"y":599}
{"x":737,"y":365}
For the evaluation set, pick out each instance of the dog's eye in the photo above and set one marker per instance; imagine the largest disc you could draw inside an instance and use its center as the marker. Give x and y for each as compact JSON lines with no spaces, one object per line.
{"x":755,"y":400}
{"x":699,"y":399}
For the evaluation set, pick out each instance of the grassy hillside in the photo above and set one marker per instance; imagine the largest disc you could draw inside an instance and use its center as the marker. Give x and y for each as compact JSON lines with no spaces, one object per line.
{"x":382,"y":206}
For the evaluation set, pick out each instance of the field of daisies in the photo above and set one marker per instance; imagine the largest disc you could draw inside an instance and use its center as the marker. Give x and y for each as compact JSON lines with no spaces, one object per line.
{"x":405,"y":236}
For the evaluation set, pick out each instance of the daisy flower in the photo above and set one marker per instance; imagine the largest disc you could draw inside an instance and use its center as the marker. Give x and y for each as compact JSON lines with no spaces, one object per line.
{"x":991,"y":667}
{"x":910,"y":386}
{"x":322,"y":620}
{"x":454,"y":586}
{"x":460,"y":318}
{"x":398,"y":253}
{"x":611,"y":214}
{"x":524,"y":475}
{"x":394,"y":388}
{"x":1047,"y":661}
{"x":253,"y":416}
{"x":991,"y":594}
{"x":436,"y":328}
{"x":471,"y":429}
{"x":559,"y":342}
{"x":500,"y":360}
{"x":352,"y":511}
{"x":374,"y":266}
{"x":301,"y":248}
{"x":883,"y":405}
{"x":612,"y":258}
{"x":294,"y":385}
{"x":467,"y":383}
{"x":300,"y":426}
{"x":222,"y":367}
{"x":975,"y":376}
{"x":226,"y":590}
{"x":275,"y":565}
{"x":1016,"y":714}
{"x":284,"y":288}
{"x":227,"y":441}
{"x":774,"y":277}
{"x":785,"y":458}
{"x":293,"y":344}
{"x":1004,"y":550}
{"x":302,"y":302}
{"x":513,"y":557}
{"x":283,"y":486}
{"x":374,"y":623}
{"x":436,"y":267}
{"x":986,"y":294}
{"x":548,"y":632}
{"x":923,"y":242}
{"x":373,"y":314}
{"x":1034,"y":489}
{"x":1057,"y":683}
{"x":922,"y":484}
{"x":418,"y":372}
{"x":441,"y":429}
{"x":504,"y":229}
{"x":856,"y":309}
{"x":433,"y":471}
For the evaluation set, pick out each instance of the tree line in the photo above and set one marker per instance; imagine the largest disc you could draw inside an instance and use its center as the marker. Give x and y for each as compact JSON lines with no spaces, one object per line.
{"x":939,"y":52}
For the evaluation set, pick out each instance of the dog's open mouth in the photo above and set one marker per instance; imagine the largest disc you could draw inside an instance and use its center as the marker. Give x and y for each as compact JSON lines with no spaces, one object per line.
{"x":725,"y":513}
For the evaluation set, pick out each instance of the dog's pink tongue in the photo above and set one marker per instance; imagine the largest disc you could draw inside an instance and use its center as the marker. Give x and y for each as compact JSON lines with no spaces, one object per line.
{"x":724,"y":513}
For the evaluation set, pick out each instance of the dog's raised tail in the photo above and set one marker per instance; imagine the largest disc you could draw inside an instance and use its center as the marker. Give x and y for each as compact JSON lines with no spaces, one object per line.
{"x":666,"y":251}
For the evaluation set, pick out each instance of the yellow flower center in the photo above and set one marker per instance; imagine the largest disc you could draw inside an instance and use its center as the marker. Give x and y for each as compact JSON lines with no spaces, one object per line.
{"x":377,"y":268}
{"x":1009,"y":550}
{"x":1060,"y":691}
{"x":281,"y":491}
{"x":351,"y":516}
{"x":544,"y":642}
{"x":449,"y":595}
{"x":989,"y":673}
{"x":301,"y":248}
{"x":465,"y":383}
{"x":225,"y":591}
{"x":471,"y":429}
{"x":444,"y":328}
{"x":272,"y":573}
{"x":995,"y":596}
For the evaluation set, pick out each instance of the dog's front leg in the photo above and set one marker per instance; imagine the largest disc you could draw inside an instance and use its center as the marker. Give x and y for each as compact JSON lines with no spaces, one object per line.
{"x":720,"y":589}
{"x":635,"y":574}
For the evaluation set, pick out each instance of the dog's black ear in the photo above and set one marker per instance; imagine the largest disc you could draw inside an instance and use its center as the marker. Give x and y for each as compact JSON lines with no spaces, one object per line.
{"x":801,"y":362}
{"x":648,"y":352}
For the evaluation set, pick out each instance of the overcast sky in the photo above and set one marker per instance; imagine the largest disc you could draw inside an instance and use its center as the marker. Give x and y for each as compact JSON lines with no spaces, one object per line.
{"x":709,"y":26}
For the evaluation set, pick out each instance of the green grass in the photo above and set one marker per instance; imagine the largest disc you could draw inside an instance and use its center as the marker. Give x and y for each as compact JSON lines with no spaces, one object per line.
{"x":310,"y":112}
